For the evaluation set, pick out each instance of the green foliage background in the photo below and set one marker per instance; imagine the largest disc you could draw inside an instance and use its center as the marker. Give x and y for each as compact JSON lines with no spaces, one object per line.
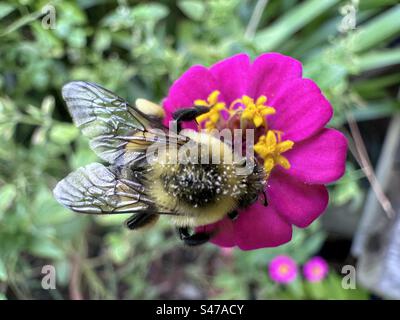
{"x":137,"y":48}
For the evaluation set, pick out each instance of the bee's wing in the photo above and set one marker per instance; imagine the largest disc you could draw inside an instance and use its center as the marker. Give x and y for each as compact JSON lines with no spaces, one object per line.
{"x":101,"y":190}
{"x":119,"y":133}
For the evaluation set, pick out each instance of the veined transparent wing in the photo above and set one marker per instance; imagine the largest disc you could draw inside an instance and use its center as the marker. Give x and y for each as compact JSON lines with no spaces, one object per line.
{"x":119,"y":133}
{"x":101,"y":190}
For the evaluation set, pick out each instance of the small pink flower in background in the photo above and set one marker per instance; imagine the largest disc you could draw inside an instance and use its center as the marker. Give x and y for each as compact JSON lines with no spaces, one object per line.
{"x":288,"y":114}
{"x":315,"y":269}
{"x":283,"y":269}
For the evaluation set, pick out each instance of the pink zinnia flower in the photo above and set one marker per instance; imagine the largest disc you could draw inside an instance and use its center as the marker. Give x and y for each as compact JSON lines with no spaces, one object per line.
{"x":283,"y":269}
{"x":315,"y":269}
{"x":288,"y":114}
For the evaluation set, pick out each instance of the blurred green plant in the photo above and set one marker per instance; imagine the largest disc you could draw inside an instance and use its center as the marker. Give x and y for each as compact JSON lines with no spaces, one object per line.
{"x":137,"y":49}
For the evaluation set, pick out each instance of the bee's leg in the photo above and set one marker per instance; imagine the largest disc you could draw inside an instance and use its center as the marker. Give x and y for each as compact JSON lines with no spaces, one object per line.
{"x":188,"y":114}
{"x":194,"y":239}
{"x":140,"y":220}
{"x":265,"y":199}
{"x":233,"y":215}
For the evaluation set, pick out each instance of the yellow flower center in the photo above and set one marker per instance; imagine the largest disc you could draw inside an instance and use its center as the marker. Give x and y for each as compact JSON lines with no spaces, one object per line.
{"x":283,"y":269}
{"x":254,"y":111}
{"x":211,"y":118}
{"x":249,"y":113}
{"x":316,"y":271}
{"x":270,"y":147}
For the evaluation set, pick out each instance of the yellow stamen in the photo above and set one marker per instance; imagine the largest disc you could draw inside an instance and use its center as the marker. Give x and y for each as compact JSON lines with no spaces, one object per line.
{"x":269,"y":147}
{"x":254,"y":111}
{"x":249,"y":113}
{"x":210,"y":118}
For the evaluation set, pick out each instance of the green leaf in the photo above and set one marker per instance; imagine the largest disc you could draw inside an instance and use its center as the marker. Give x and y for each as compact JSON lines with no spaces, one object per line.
{"x":47,"y":211}
{"x":374,"y":110}
{"x":310,"y":245}
{"x":110,"y":219}
{"x":345,"y":192}
{"x":334,"y":286}
{"x":379,"y":59}
{"x":83,"y":155}
{"x":193,"y":9}
{"x":368,"y":4}
{"x":296,"y":289}
{"x":5,"y":9}
{"x":64,"y":133}
{"x":102,"y":40}
{"x":281,"y":30}
{"x":316,"y":290}
{"x":149,"y":12}
{"x":46,"y":248}
{"x":71,"y":12}
{"x":50,"y":44}
{"x":119,"y":247}
{"x":3,"y":271}
{"x":77,"y":38}
{"x":19,"y":23}
{"x":381,"y":28}
{"x":63,"y":268}
{"x":47,"y":106}
{"x":8,"y":193}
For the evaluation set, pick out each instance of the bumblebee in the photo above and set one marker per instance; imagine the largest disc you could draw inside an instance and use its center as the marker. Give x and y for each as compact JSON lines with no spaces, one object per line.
{"x":190,"y":194}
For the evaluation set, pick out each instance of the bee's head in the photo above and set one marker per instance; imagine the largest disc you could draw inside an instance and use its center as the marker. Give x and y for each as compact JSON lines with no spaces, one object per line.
{"x":253,"y":178}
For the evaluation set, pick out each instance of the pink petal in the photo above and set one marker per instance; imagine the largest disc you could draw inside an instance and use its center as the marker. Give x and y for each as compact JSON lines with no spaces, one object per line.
{"x":260,"y":227}
{"x":297,"y":202}
{"x":320,"y":159}
{"x":196,"y":83}
{"x":223,"y":232}
{"x":301,"y":110}
{"x":255,"y":228}
{"x":232,"y":76}
{"x":270,"y":71}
